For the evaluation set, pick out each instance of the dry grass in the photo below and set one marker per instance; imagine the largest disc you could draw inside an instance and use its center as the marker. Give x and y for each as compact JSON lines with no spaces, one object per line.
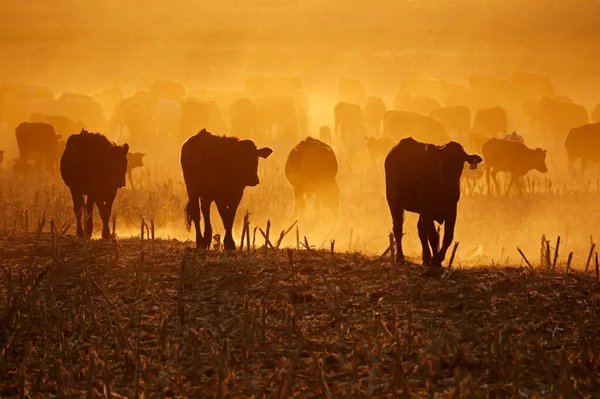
{"x":174,"y":322}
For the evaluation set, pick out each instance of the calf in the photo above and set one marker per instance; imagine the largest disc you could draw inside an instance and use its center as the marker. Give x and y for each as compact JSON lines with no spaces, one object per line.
{"x":311,"y":169}
{"x":217,"y":169}
{"x":134,"y":160}
{"x":38,"y":142}
{"x":583,"y":143}
{"x":425,"y":179}
{"x":93,"y":166}
{"x":512,"y":157}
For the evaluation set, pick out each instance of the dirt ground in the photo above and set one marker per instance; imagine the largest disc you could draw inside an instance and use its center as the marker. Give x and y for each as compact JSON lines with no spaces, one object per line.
{"x":159,"y":319}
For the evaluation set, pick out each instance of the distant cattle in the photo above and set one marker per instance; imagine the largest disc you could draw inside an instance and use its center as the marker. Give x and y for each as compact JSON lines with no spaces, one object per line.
{"x":134,"y":160}
{"x":273,"y":86}
{"x":373,"y":112}
{"x":109,"y":98}
{"x":596,"y":113}
{"x":349,"y":130}
{"x":425,"y":179}
{"x":557,"y":117}
{"x":311,"y":168}
{"x":490,"y":121}
{"x":38,"y":142}
{"x":217,"y":169}
{"x":583,"y":142}
{"x":199,"y":114}
{"x":351,"y":90}
{"x":511,"y":157}
{"x":325,"y":134}
{"x":75,"y":107}
{"x":378,"y":148}
{"x":63,"y":126}
{"x":403,"y":124}
{"x":456,"y":119}
{"x":537,"y":85}
{"x":280,"y":118}
{"x":134,"y":117}
{"x":412,"y":103}
{"x":168,"y":89}
{"x":93,"y":166}
{"x":425,"y":87}
{"x":245,"y":120}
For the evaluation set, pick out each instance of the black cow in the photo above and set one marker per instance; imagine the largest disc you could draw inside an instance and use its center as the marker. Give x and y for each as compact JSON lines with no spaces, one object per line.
{"x":38,"y":142}
{"x":583,"y":143}
{"x":512,"y":157}
{"x":311,"y":168}
{"x":425,"y":179}
{"x":217,"y":169}
{"x":94,"y":166}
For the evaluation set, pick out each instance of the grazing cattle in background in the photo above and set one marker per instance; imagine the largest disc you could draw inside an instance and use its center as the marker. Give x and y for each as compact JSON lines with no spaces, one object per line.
{"x":109,"y":98}
{"x":217,"y":169}
{"x":244,"y":119}
{"x":412,"y":103}
{"x":325,"y":134}
{"x":425,"y":179}
{"x":373,"y":112}
{"x":425,"y":87}
{"x":490,"y":121}
{"x":403,"y":124}
{"x":456,"y":119}
{"x":38,"y":142}
{"x":22,"y":168}
{"x":378,"y":148}
{"x":280,"y":119}
{"x":596,"y":113}
{"x":351,"y":90}
{"x":15,"y":100}
{"x":134,"y":160}
{"x":62,"y":125}
{"x":134,"y":121}
{"x":583,"y":142}
{"x":199,"y":114}
{"x":512,"y":157}
{"x":311,"y":168}
{"x":93,"y":166}
{"x":476,"y":141}
{"x":557,"y":117}
{"x":349,"y":131}
{"x":536,"y":84}
{"x":168,"y":89}
{"x":75,"y":107}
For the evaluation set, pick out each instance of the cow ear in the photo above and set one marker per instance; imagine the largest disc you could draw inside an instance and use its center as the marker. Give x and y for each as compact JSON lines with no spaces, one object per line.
{"x":474,"y":159}
{"x":264,"y":152}
{"x":126,"y":148}
{"x":142,"y":155}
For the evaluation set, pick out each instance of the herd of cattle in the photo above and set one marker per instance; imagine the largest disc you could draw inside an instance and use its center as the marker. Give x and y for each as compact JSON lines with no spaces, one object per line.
{"x":419,"y":140}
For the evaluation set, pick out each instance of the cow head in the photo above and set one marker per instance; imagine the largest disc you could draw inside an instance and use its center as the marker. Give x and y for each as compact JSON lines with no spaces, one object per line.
{"x":539,"y":160}
{"x":118,"y":161}
{"x":248,"y":161}
{"x":135,"y":160}
{"x":453,"y":159}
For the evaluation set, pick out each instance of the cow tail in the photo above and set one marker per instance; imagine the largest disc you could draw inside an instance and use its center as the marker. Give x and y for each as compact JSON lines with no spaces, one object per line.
{"x":188,"y":216}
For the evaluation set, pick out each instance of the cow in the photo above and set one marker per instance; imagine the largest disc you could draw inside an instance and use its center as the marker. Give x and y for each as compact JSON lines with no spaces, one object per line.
{"x":63,"y":126}
{"x":425,"y":179}
{"x":536,"y":84}
{"x":93,"y":166}
{"x":279,"y":116}
{"x":134,"y":160}
{"x":412,"y":103}
{"x":557,"y":117}
{"x":490,"y":121}
{"x":272,"y":86}
{"x":512,"y":157}
{"x":38,"y":142}
{"x":217,"y":168}
{"x":168,"y":89}
{"x":349,"y":130}
{"x":199,"y":114}
{"x":245,"y":120}
{"x":311,"y":168}
{"x":351,"y":90}
{"x":378,"y":148}
{"x":456,"y":119}
{"x":426,"y":87}
{"x":583,"y":142}
{"x":76,"y":107}
{"x":403,"y":124}
{"x":373,"y":112}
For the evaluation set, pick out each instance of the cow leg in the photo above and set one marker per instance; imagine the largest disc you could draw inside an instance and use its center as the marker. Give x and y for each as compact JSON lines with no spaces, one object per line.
{"x":192,"y":211}
{"x":89,"y":217}
{"x":78,"y":208}
{"x":398,"y":220}
{"x":423,"y":229}
{"x":434,"y":237}
{"x":450,"y":223}
{"x":487,"y":179}
{"x":494,"y":175}
{"x":299,"y":203}
{"x":227,"y":210}
{"x":130,"y":178}
{"x":205,"y":206}
{"x":105,"y":209}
